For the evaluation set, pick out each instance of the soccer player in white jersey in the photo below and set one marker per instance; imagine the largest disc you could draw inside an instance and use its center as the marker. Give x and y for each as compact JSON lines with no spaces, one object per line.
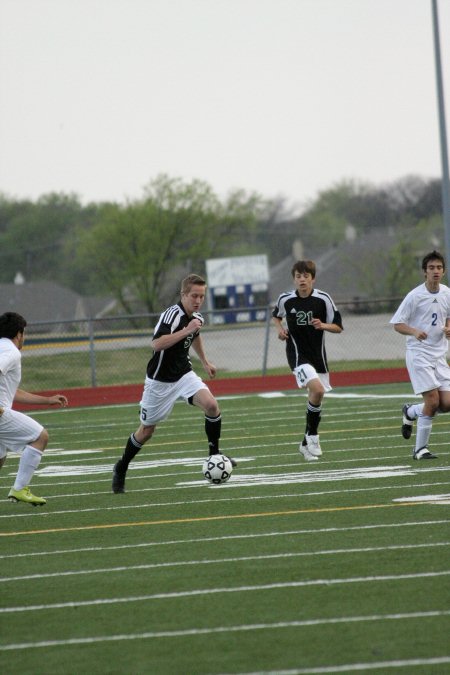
{"x":170,"y":376}
{"x":302,"y":316}
{"x":424,"y":317}
{"x":18,"y":432}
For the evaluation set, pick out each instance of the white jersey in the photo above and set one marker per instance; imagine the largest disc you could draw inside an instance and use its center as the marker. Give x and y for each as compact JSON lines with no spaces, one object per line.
{"x":10,"y":371}
{"x":426,"y":311}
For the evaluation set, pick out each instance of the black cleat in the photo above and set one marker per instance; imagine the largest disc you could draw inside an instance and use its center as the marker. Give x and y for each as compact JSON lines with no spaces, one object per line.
{"x":407,"y":423}
{"x":118,"y":480}
{"x":233,"y":461}
{"x":423,"y":453}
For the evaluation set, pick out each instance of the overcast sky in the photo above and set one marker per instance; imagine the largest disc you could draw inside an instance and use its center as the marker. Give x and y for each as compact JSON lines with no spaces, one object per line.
{"x":281,"y":97}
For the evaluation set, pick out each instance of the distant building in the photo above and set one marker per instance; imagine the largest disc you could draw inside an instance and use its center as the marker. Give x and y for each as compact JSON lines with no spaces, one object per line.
{"x":239,"y":287}
{"x":40,"y":301}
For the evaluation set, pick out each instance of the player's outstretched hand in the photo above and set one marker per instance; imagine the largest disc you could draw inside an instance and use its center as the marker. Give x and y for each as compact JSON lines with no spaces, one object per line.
{"x":210,"y":369}
{"x":58,"y":399}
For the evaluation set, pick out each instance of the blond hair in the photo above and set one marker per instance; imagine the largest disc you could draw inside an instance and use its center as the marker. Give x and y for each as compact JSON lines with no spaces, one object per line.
{"x":191,"y":280}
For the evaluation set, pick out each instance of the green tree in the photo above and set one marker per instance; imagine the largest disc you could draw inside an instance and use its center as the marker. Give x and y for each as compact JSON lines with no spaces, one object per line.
{"x":392,"y":271}
{"x":32,"y":235}
{"x":364,"y":207}
{"x":139,"y":250}
{"x":403,"y":268}
{"x":77,"y":272}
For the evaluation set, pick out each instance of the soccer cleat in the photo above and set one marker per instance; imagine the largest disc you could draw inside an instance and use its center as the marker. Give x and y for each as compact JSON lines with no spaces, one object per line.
{"x":313,"y":445}
{"x":407,"y":422}
{"x":118,"y":479}
{"x":423,"y":453}
{"x":233,"y":461}
{"x":25,"y":495}
{"x":303,"y":449}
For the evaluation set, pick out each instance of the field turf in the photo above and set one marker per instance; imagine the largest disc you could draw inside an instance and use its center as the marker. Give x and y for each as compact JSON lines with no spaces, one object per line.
{"x":336,"y":566}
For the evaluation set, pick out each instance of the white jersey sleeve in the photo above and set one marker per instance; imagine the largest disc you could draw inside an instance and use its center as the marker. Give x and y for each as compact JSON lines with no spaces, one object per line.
{"x":428,"y":312}
{"x":10,"y":372}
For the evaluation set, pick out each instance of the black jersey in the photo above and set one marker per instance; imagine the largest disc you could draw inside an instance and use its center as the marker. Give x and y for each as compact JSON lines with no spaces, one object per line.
{"x":306,"y":344}
{"x":169,"y":365}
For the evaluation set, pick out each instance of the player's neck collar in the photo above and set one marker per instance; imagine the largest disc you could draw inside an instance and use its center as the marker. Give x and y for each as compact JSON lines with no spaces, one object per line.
{"x":433,"y":290}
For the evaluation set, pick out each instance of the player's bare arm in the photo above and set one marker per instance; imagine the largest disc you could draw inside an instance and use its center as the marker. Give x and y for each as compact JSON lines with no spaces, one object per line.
{"x":27,"y":397}
{"x":404,"y":329}
{"x":283,"y":333}
{"x":329,"y":327}
{"x":446,"y":328}
{"x":198,"y":347}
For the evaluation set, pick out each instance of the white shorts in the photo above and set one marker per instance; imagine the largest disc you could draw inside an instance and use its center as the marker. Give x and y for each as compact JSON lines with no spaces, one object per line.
{"x":159,"y":398}
{"x":304,"y":373}
{"x":16,"y":431}
{"x":426,"y":374}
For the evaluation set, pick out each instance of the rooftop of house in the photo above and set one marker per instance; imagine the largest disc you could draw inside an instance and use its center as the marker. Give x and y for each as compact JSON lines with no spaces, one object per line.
{"x":40,"y":301}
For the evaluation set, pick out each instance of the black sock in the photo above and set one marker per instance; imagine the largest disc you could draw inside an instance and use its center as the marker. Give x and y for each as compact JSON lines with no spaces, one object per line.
{"x":131,"y":450}
{"x":213,"y":426}
{"x":312,"y":419}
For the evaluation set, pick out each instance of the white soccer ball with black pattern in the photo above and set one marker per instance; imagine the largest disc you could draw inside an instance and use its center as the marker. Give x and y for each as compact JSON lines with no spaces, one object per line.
{"x":217,"y":469}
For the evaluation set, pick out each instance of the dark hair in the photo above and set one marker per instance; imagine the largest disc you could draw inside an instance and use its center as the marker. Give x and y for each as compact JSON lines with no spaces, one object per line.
{"x":191,"y":280}
{"x":434,"y":255}
{"x":302,"y":266}
{"x":11,"y":324}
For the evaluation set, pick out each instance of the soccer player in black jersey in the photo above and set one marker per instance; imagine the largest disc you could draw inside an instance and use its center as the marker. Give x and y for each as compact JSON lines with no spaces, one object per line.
{"x":170,"y":375}
{"x":301,"y":317}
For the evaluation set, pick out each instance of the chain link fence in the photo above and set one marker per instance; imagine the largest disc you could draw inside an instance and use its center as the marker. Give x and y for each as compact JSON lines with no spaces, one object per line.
{"x":114,"y":351}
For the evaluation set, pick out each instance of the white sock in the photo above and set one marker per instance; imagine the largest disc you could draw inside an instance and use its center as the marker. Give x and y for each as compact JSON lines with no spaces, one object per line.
{"x":423,"y":431}
{"x":29,"y":462}
{"x":415,"y":410}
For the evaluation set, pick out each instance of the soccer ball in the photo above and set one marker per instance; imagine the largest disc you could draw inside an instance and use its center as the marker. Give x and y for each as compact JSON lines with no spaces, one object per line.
{"x":217,"y":469}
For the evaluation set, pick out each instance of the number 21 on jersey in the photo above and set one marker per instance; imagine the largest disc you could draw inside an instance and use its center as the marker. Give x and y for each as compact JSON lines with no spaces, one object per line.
{"x":304,"y":318}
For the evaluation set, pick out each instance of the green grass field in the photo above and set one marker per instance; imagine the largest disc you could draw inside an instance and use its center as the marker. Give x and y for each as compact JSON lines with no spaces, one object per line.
{"x":337,"y":566}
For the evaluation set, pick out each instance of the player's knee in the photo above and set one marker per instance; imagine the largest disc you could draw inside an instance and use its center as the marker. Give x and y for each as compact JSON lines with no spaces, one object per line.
{"x":206,"y":401}
{"x":444,"y":402}
{"x":433,"y":410}
{"x":316,"y":394}
{"x":430,"y":408}
{"x":212,"y":409}
{"x":41,"y":442}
